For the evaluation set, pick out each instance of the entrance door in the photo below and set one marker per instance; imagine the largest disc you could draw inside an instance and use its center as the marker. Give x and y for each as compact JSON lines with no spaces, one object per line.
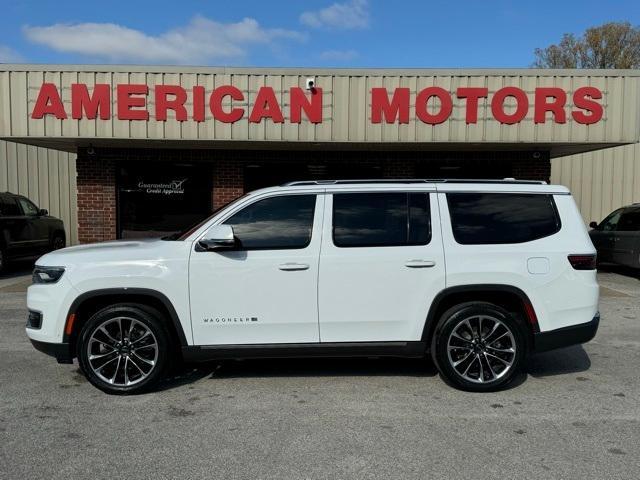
{"x":160,"y":198}
{"x":382,"y":263}
{"x":265,"y":290}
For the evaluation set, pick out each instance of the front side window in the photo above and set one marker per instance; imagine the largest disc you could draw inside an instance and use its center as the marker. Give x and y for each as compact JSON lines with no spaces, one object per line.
{"x":381,"y":219}
{"x":499,"y":218}
{"x":28,"y":208}
{"x":610,"y":223}
{"x":275,"y":223}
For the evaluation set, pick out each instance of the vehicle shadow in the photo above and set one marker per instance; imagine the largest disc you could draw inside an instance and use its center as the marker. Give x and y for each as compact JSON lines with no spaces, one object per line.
{"x":559,"y":362}
{"x":17,"y":268}
{"x":620,"y":270}
{"x":301,"y":367}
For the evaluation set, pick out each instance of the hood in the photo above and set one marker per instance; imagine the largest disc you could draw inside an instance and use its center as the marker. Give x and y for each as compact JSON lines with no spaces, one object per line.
{"x":104,"y":251}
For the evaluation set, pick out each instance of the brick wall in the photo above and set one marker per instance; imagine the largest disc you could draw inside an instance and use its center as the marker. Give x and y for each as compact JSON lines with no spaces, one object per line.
{"x":96,"y":199}
{"x":533,"y":169}
{"x":228,"y":180}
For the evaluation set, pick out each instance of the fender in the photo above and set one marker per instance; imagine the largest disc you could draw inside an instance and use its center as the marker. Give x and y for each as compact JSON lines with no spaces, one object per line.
{"x":431,"y":320}
{"x":124,"y":291}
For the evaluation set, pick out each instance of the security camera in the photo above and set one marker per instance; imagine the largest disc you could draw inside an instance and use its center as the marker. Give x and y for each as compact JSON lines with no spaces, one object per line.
{"x":91,"y":151}
{"x":536,"y":155}
{"x":311,"y":83}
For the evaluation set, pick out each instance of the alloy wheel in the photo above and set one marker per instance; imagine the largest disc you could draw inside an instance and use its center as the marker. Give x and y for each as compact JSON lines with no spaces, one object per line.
{"x":481,"y":349}
{"x":122,"y":351}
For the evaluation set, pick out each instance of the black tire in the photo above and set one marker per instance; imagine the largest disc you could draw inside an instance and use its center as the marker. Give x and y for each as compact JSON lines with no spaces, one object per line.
{"x":478,"y":350}
{"x":58,"y":241}
{"x":3,"y":260}
{"x":140,"y":367}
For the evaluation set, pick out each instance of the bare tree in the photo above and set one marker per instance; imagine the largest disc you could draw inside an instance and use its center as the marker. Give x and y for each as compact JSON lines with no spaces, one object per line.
{"x":612,"y":45}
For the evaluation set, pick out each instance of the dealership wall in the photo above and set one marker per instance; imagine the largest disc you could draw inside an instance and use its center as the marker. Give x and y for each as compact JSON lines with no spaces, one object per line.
{"x":47,"y":177}
{"x":600,"y":181}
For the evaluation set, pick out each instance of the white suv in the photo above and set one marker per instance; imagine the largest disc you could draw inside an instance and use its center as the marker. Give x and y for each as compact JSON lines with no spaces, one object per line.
{"x":478,"y":274}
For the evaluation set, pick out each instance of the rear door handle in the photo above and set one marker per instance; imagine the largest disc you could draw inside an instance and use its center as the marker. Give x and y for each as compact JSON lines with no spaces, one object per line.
{"x":420,"y":263}
{"x":288,"y":267}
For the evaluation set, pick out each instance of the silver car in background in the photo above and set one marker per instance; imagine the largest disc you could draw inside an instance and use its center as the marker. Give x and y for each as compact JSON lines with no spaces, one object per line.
{"x":617,"y":237}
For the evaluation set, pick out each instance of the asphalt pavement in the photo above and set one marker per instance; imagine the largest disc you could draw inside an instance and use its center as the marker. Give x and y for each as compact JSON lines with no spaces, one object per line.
{"x":574,"y":414}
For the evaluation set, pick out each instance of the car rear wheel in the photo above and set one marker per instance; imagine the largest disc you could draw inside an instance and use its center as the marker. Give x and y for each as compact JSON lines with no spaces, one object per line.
{"x":478,"y":346}
{"x":3,"y":261}
{"x":124,"y":349}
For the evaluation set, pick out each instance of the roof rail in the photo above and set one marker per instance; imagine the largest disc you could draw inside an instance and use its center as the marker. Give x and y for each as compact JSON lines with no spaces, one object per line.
{"x":507,"y":181}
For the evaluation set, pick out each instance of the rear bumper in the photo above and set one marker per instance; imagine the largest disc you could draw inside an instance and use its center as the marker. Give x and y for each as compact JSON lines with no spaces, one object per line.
{"x":565,"y":337}
{"x":60,"y":351}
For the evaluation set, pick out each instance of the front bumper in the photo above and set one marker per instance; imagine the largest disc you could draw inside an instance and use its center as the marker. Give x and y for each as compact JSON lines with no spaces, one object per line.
{"x":62,"y":352}
{"x":565,"y":337}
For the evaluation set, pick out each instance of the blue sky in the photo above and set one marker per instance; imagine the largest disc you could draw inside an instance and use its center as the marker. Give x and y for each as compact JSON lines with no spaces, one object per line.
{"x":342,"y":33}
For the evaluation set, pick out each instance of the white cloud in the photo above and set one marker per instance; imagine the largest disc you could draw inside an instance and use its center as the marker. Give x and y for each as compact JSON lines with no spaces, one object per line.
{"x":338,"y":55}
{"x":201,"y":41}
{"x":349,"y":15}
{"x":8,"y":55}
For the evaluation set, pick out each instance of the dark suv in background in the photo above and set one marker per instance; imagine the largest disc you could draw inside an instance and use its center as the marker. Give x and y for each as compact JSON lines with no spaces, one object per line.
{"x":617,"y":237}
{"x":26,"y":231}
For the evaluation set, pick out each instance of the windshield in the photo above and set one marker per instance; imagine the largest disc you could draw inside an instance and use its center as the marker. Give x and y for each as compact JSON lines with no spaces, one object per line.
{"x":184,"y":234}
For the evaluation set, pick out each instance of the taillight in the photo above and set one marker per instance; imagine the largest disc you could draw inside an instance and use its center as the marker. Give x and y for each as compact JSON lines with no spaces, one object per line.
{"x":583,"y":262}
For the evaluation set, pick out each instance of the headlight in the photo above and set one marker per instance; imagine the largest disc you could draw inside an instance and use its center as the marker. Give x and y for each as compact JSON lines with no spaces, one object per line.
{"x":47,"y":274}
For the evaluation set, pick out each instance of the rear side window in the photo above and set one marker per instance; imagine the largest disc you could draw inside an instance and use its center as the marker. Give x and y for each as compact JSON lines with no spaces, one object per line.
{"x":381,"y":219}
{"x":483,"y":218}
{"x":629,"y":221}
{"x":275,"y":223}
{"x":9,"y":207}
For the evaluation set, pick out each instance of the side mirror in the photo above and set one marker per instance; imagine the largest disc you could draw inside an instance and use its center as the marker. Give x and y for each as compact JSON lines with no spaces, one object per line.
{"x":593,"y":225}
{"x":218,"y":237}
{"x":43,"y":212}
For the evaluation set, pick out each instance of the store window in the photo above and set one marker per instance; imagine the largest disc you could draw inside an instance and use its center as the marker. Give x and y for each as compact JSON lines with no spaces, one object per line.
{"x":156,"y":199}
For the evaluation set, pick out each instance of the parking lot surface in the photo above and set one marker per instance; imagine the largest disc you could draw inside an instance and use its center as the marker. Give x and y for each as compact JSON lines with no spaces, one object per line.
{"x":574,"y":414}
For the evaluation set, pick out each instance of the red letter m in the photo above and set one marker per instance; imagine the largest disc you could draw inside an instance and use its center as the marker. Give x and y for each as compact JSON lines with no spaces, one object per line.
{"x":82,"y":102}
{"x":399,"y":106}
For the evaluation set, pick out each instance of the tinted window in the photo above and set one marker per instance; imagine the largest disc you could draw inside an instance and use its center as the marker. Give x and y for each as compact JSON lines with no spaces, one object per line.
{"x":275,"y":223}
{"x":9,"y":206}
{"x":381,"y":219}
{"x":611,"y":222}
{"x":482,"y":218}
{"x":629,"y":221}
{"x":27,"y":207}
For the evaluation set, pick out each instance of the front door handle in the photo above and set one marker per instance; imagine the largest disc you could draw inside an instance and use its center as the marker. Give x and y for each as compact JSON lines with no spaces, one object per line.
{"x":420,"y":263}
{"x":288,"y":267}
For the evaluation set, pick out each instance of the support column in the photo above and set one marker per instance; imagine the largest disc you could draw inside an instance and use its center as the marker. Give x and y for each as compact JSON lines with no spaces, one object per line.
{"x":228,"y":181}
{"x":96,"y":199}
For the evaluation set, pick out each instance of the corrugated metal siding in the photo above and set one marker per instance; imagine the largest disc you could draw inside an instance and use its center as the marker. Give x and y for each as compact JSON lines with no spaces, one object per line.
{"x":47,"y":177}
{"x":600,"y":181}
{"x":346,"y":105}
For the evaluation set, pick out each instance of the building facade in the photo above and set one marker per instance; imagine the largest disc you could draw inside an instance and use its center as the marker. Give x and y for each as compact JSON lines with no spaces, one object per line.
{"x":127,"y":152}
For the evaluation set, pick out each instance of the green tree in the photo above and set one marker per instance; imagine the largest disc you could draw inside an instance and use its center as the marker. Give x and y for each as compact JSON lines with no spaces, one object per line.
{"x":612,"y":45}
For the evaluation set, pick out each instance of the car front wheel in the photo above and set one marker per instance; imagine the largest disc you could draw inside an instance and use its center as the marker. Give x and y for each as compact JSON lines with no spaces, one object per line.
{"x":124,"y":349}
{"x":58,"y":242}
{"x":479,"y":346}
